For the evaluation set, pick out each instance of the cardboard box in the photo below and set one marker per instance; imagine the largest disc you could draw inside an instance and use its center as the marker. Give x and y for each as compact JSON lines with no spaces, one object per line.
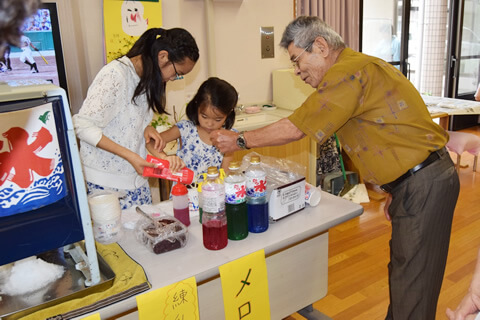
{"x":286,"y":199}
{"x":289,"y":90}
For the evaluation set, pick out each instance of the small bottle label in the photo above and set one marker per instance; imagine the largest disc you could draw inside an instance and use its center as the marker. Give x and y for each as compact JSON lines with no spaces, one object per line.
{"x":193,"y":203}
{"x":213,"y":201}
{"x":235,"y":192}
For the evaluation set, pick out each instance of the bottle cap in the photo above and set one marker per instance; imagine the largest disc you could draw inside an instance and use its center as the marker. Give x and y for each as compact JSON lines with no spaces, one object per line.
{"x":234,"y":165}
{"x":179,"y":190}
{"x":212,"y":171}
{"x":255,"y":159}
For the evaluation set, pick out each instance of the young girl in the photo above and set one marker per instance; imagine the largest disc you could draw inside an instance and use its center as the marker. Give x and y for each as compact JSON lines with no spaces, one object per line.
{"x":113,"y":122}
{"x":212,"y":108}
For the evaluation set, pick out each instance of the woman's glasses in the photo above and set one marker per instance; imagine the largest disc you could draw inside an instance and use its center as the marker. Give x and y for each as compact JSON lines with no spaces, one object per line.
{"x":177,"y":76}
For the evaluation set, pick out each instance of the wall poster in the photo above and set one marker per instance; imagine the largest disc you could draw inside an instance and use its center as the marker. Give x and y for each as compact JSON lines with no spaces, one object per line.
{"x":31,"y":166}
{"x":125,"y":21}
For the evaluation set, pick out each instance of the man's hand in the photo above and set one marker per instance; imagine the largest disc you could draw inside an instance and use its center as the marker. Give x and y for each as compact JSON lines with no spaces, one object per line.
{"x":225,"y":140}
{"x":275,"y":134}
{"x":387,"y":205}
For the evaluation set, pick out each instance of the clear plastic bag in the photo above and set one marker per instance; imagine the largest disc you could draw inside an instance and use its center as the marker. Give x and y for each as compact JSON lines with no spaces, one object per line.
{"x":171,"y":235}
{"x":279,"y":171}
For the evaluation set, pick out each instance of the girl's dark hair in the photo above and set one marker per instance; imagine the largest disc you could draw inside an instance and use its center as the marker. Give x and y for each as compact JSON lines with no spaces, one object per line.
{"x":217,"y":93}
{"x":179,"y":44}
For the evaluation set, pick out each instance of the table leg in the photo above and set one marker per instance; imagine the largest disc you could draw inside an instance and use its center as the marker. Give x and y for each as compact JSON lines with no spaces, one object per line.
{"x":444,"y":122}
{"x":165,"y":187}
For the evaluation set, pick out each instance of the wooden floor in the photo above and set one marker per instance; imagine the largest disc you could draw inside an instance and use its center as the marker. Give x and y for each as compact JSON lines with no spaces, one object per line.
{"x":359,"y":253}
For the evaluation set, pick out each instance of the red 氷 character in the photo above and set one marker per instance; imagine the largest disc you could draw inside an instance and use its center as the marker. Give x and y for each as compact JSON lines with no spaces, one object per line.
{"x":18,"y":164}
{"x":261,"y":186}
{"x":241,"y":192}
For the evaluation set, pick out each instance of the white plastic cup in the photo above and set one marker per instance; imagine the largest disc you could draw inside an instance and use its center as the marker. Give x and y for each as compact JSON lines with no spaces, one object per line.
{"x":106,"y":216}
{"x":312,"y":195}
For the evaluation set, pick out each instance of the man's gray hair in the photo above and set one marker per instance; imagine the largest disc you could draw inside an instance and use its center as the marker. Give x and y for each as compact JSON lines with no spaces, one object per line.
{"x":12,"y":16}
{"x":305,"y":29}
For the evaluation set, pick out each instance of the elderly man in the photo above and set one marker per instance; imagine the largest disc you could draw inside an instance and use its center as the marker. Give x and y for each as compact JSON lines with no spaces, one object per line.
{"x":386,"y":129}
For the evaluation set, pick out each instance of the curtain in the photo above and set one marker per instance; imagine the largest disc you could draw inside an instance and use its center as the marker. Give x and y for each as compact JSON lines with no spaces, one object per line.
{"x":342,"y":15}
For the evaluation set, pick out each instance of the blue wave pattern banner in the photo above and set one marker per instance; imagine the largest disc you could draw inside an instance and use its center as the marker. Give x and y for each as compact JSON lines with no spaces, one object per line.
{"x":31,"y":166}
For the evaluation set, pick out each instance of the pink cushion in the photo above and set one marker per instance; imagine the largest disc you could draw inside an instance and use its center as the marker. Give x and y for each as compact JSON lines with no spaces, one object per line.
{"x":462,"y":141}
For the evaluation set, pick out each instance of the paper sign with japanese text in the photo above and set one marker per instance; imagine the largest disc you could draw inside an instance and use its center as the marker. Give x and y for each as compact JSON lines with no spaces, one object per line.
{"x":178,"y":301}
{"x":95,"y":316}
{"x":245,"y":288}
{"x":125,"y":21}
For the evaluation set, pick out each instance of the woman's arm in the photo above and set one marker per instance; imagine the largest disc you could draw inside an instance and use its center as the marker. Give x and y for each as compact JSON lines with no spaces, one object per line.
{"x":134,"y":159}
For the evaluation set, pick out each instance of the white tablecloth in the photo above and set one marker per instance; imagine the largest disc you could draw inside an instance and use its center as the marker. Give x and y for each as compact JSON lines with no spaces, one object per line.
{"x":451,"y":106}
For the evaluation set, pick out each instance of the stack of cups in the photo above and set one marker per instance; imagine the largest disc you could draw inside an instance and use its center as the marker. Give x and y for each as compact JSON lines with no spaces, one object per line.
{"x":106,"y":215}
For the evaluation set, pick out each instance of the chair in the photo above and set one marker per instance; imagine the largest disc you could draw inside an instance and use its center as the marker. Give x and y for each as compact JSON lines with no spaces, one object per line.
{"x":460,"y":142}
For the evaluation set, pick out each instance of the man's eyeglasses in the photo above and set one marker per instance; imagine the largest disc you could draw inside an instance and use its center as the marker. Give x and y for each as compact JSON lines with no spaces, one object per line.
{"x":177,"y":76}
{"x":295,"y":61}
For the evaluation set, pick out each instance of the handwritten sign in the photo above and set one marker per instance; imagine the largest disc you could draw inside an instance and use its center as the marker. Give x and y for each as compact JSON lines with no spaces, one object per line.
{"x":245,"y":288}
{"x":177,"y":301}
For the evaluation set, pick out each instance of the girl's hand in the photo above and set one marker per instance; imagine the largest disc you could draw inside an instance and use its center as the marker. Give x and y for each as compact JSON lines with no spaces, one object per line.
{"x":176,"y":164}
{"x":150,"y":133}
{"x":139,"y":163}
{"x":134,"y":159}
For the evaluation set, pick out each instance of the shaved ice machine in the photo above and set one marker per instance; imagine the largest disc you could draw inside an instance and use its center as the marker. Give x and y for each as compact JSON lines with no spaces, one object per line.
{"x":43,"y":200}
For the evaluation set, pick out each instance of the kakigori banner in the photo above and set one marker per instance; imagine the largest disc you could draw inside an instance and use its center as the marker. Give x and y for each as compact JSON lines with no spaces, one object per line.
{"x":125,"y":21}
{"x":31,"y":167}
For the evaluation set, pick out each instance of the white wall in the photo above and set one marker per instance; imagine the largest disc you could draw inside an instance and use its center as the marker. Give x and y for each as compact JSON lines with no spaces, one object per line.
{"x":236,"y":27}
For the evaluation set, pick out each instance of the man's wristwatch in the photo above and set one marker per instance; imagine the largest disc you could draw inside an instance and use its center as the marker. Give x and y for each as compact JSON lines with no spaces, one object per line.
{"x":241,"y":143}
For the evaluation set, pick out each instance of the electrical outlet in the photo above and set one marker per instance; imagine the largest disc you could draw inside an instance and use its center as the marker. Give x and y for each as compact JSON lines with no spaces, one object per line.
{"x":267,"y":42}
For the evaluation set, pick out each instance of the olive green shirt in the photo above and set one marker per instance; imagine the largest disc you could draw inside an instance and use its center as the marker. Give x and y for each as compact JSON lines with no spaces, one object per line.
{"x":379,"y":116}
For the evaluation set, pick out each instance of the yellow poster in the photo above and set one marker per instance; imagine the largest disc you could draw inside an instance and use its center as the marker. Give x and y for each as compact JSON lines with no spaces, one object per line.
{"x":125,"y":21}
{"x":95,"y":316}
{"x":245,"y":288}
{"x":178,"y":301}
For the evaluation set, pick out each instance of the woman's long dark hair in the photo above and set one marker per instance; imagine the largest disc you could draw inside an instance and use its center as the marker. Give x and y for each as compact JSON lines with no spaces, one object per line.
{"x":179,"y":44}
{"x":219,"y":94}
